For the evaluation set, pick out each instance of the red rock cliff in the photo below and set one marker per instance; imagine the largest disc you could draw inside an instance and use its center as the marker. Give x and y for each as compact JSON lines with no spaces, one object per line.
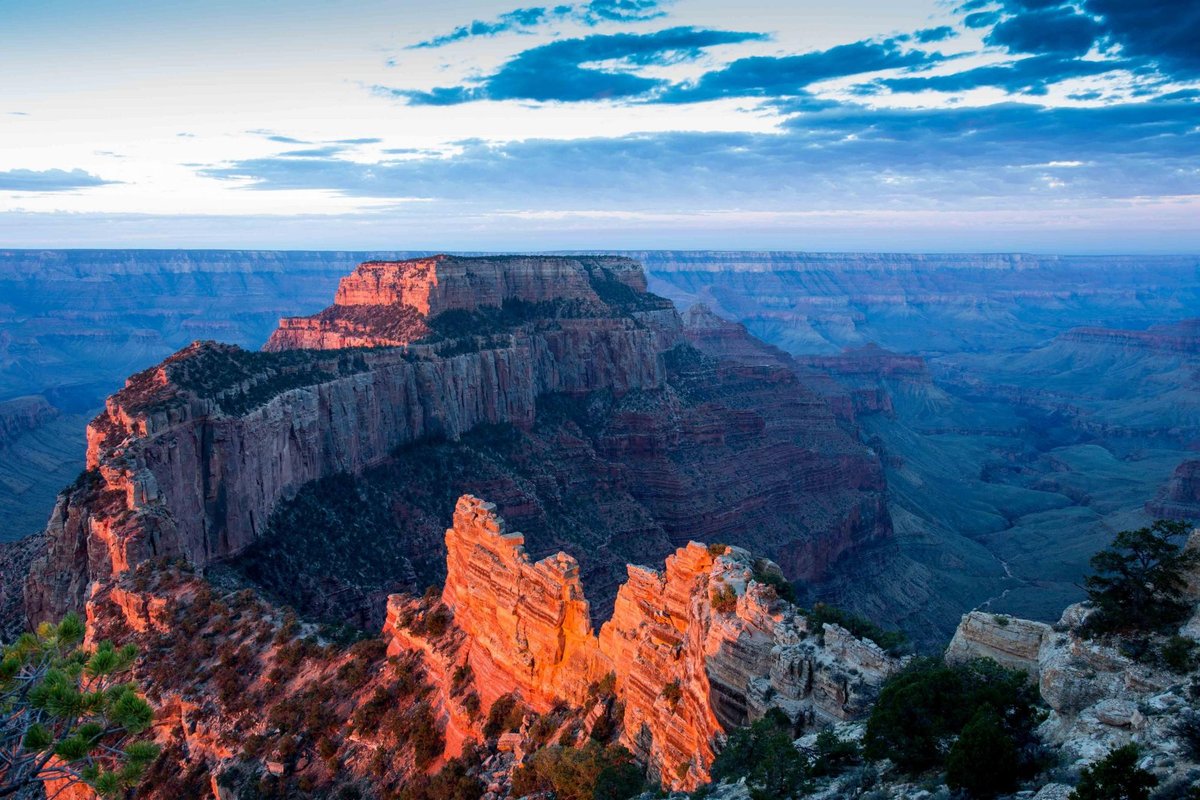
{"x":706,"y":626}
{"x":191,"y":457}
{"x":386,"y":303}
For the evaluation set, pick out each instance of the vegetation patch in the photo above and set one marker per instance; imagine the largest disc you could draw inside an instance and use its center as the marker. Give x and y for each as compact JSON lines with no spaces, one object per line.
{"x":1139,"y":584}
{"x":976,"y":721}
{"x":893,"y":642}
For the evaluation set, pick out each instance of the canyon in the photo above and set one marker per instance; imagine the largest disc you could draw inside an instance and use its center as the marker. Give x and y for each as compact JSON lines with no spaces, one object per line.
{"x":526,"y":629}
{"x":1020,"y":404}
{"x":1099,"y":694}
{"x":1001,"y":442}
{"x":193,"y":457}
{"x":634,"y":495}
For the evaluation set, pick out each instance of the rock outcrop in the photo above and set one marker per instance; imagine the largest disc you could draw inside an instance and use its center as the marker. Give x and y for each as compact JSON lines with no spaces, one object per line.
{"x":1180,"y":498}
{"x":193,"y":457}
{"x":1099,"y":696}
{"x":23,"y":414}
{"x":1182,"y":337}
{"x":696,"y":649}
{"x":387,"y":303}
{"x":1013,"y":643}
{"x":528,"y":623}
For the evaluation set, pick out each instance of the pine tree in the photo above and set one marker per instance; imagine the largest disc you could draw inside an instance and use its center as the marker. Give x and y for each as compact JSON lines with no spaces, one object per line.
{"x":66,"y":715}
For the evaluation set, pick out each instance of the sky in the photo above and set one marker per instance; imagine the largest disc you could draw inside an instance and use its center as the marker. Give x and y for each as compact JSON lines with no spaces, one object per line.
{"x":974,"y":125}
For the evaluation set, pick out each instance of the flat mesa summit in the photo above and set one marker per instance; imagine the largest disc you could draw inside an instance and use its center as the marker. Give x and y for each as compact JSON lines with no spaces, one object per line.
{"x":388,"y":303}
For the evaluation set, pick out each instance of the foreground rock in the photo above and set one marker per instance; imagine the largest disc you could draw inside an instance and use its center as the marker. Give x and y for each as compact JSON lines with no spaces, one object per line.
{"x":696,"y":649}
{"x":1099,"y":697}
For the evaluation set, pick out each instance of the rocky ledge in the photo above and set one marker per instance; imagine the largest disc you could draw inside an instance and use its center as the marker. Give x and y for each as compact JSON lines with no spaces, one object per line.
{"x":1100,"y":696}
{"x":695,"y":650}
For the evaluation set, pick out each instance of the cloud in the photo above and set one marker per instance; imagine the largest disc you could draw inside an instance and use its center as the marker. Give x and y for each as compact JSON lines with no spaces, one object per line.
{"x":1060,"y":30}
{"x":1058,"y":39}
{"x":314,"y":152}
{"x":519,"y":19}
{"x":981,"y":19}
{"x":554,"y":71}
{"x":361,"y":140}
{"x":844,"y":157}
{"x":1162,"y":38}
{"x":783,"y":76}
{"x":1165,"y":33}
{"x":49,"y":180}
{"x":938,"y":34}
{"x":592,"y":14}
{"x":1030,"y":75}
{"x":599,"y":11}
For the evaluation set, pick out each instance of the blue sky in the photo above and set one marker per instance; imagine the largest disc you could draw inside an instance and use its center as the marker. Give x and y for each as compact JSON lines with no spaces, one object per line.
{"x":973,"y":125}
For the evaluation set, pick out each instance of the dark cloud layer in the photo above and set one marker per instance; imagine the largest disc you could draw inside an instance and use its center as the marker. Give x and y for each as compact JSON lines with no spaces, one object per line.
{"x":765,"y":76}
{"x":1060,"y":30}
{"x":49,"y":180}
{"x":1048,"y":41}
{"x":525,"y":19}
{"x":554,"y":72}
{"x":1009,"y":155}
{"x":1031,"y":75}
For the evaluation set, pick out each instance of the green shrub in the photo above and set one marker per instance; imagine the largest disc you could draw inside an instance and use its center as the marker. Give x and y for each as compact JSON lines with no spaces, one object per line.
{"x":1115,"y":777}
{"x":764,"y":754}
{"x":891,"y":641}
{"x":672,"y":693}
{"x":457,"y":780}
{"x":505,"y":715}
{"x":833,"y":754}
{"x":983,"y":761}
{"x":776,"y":581}
{"x":922,"y":711}
{"x":591,"y":772}
{"x":724,"y":599}
{"x":59,"y":699}
{"x":1178,"y":654}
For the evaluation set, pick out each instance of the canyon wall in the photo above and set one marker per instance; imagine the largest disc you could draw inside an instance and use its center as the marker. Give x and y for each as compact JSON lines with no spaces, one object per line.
{"x":192,"y":456}
{"x":1180,"y":497}
{"x":696,"y":649}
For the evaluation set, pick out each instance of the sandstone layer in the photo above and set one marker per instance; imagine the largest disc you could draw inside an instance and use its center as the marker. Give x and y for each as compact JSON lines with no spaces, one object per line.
{"x":696,"y":649}
{"x":191,"y":457}
{"x":1180,"y":498}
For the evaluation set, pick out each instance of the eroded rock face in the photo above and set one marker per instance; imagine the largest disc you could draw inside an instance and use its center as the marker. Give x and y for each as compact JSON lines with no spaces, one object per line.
{"x":192,"y":456}
{"x":1099,"y":697}
{"x":1013,"y":643}
{"x":696,"y":649}
{"x":1180,"y":498}
{"x":386,"y":303}
{"x":528,"y":622}
{"x":23,"y":414}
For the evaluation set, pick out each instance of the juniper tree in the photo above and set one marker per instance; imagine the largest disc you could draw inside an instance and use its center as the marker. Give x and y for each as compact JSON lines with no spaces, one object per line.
{"x":1139,"y":582}
{"x":67,"y":715}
